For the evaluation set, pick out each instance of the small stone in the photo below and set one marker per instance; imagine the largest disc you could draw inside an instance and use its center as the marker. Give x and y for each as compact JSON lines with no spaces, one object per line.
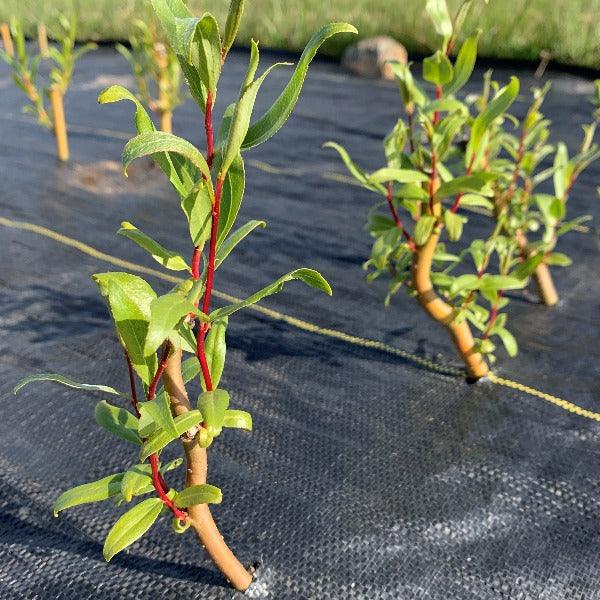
{"x":370,"y":57}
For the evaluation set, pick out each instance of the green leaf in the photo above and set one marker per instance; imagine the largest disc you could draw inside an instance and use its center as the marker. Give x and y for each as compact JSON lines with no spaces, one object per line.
{"x":282,"y":108}
{"x":437,"y":69}
{"x":159,"y":440}
{"x":197,"y":207}
{"x":561,"y":162}
{"x":177,"y":22}
{"x":308,"y":276}
{"x":464,"y":65}
{"x":477,"y":184}
{"x":116,"y":93}
{"x":399,"y":175}
{"x":95,"y":491}
{"x":454,"y":224}
{"x":465,"y":282}
{"x":238,"y":419}
{"x":231,"y":197}
{"x":159,"y":411}
{"x":167,"y":258}
{"x":202,"y":42}
{"x":240,"y":121}
{"x":135,"y":480}
{"x":509,"y":341}
{"x":215,"y":349}
{"x":234,"y":239}
{"x":476,"y":200}
{"x":526,"y":268}
{"x":558,"y":259}
{"x":129,"y":298}
{"x":166,"y":312}
{"x":213,"y":406}
{"x":203,"y":493}
{"x":498,"y":106}
{"x":502,"y":282}
{"x":439,"y":15}
{"x":117,"y":421}
{"x":181,"y":173}
{"x":67,"y":382}
{"x":423,"y":229}
{"x":131,"y":526}
{"x":354,"y":169}
{"x":236,"y":8}
{"x":150,"y":143}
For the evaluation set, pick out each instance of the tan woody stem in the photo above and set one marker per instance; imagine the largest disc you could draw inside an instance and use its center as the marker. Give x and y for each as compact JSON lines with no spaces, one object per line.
{"x":60,"y":126}
{"x":202,"y":520}
{"x":43,"y":40}
{"x":440,"y":310}
{"x":7,"y":40}
{"x":543,"y":278}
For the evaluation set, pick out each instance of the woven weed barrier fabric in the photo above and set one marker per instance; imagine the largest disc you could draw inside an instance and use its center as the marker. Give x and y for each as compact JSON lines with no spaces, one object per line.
{"x":367,"y":476}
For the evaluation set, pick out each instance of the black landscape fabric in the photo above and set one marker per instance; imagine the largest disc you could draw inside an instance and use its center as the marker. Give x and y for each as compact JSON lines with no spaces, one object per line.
{"x":366,"y":476}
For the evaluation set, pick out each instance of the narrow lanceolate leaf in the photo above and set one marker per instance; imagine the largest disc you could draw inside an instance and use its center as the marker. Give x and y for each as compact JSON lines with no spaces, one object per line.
{"x":497,"y":107}
{"x":215,"y":349}
{"x":467,"y":184}
{"x":440,"y":16}
{"x":203,"y":493}
{"x":129,"y":298}
{"x":213,"y":406}
{"x":66,"y":381}
{"x":234,"y":16}
{"x":166,"y":312}
{"x":167,"y":258}
{"x":282,"y":108}
{"x":240,"y":121}
{"x":234,"y":239}
{"x":502,"y":282}
{"x":454,"y":225}
{"x":197,"y":207}
{"x":159,"y":411}
{"x":135,"y":480}
{"x":423,"y":229}
{"x":118,"y":421}
{"x":354,"y":169}
{"x":159,"y":440}
{"x":175,"y":19}
{"x":509,"y":341}
{"x":464,"y":65}
{"x":308,"y":276}
{"x":399,"y":175}
{"x":181,"y":173}
{"x":95,"y":491}
{"x":147,"y":144}
{"x":116,"y":93}
{"x":202,"y":45}
{"x":231,"y":197}
{"x":238,"y":419}
{"x":131,"y":526}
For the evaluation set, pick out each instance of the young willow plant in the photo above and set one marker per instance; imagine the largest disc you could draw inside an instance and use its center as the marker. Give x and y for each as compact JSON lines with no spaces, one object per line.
{"x":155,"y":330}
{"x":448,"y":157}
{"x":519,"y":206}
{"x":25,"y":67}
{"x":156,"y":70}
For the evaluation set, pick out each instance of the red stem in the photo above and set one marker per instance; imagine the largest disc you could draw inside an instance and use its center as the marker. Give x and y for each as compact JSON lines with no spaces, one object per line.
{"x":493,"y":316}
{"x":390,"y":201}
{"x":161,"y":368}
{"x":159,"y":482}
{"x":213,"y":246}
{"x":208,"y":125}
{"x":438,"y":95}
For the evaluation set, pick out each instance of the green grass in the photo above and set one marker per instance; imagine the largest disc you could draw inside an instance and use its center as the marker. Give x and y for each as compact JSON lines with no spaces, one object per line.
{"x":519,"y":29}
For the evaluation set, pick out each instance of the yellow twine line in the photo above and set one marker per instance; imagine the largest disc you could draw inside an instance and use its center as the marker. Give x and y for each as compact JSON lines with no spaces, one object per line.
{"x":299,"y":323}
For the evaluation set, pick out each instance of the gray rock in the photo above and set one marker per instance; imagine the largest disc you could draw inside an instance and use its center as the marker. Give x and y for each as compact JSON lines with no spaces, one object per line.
{"x":370,"y":57}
